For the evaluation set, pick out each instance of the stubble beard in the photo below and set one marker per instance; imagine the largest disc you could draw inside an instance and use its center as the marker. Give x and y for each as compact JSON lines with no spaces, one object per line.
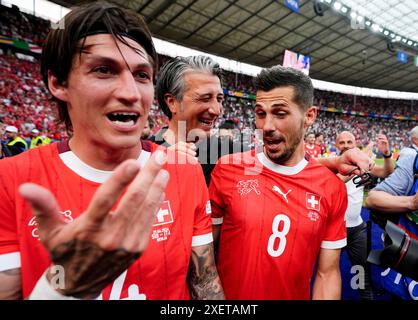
{"x":283,"y":157}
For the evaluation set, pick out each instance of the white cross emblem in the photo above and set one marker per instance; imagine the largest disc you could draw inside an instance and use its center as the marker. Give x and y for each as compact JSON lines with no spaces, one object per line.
{"x":160,"y":215}
{"x":164,"y":215}
{"x":313,"y":201}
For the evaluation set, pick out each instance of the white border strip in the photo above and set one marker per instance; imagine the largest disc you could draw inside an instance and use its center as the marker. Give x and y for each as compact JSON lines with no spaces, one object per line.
{"x":9,"y":261}
{"x":334,"y":244}
{"x":202,"y":239}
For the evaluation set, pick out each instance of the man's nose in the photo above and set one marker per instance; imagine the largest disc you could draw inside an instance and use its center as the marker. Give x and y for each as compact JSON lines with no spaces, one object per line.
{"x":127,"y":90}
{"x":215,"y":108}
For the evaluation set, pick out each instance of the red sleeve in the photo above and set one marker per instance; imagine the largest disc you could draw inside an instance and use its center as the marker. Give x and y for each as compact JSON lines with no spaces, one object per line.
{"x":336,"y":232}
{"x":9,"y":244}
{"x":216,"y":197}
{"x":202,"y":231}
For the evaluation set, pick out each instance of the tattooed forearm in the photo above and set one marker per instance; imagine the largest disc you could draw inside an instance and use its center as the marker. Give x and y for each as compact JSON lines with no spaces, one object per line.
{"x":203,"y":278}
{"x":89,"y":268}
{"x":10,"y":285}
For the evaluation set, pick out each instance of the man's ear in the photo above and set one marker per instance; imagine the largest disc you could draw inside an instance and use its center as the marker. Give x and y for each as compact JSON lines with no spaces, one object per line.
{"x":57,"y":89}
{"x":172,"y":103}
{"x":310,"y":116}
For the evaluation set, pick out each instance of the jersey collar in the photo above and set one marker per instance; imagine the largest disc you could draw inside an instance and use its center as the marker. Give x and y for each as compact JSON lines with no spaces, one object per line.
{"x":288,"y":171}
{"x":87,"y":172}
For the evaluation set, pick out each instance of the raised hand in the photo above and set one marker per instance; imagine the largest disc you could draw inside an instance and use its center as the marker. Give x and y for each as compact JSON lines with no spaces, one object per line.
{"x":355,"y":162}
{"x":383,"y":144}
{"x":103,"y":241}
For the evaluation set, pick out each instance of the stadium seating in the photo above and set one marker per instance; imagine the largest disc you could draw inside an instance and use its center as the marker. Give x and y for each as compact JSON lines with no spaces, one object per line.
{"x":24,"y":101}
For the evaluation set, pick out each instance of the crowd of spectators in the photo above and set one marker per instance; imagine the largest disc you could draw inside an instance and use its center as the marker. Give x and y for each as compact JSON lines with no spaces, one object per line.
{"x":364,"y":129}
{"x":22,"y":26}
{"x":365,"y":104}
{"x":24,"y":101}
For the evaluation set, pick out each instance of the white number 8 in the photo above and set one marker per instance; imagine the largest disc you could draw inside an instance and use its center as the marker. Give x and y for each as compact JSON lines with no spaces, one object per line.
{"x":281,"y":235}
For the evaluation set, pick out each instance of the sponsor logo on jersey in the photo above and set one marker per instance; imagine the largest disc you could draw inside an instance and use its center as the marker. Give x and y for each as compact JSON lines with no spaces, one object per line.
{"x":246,"y":186}
{"x":163,"y":217}
{"x":313,"y":201}
{"x":279,"y":191}
{"x":33,"y":223}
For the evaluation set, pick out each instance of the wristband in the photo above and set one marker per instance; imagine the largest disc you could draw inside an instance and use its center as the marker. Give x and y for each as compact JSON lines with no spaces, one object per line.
{"x":44,"y":291}
{"x":389,"y":156}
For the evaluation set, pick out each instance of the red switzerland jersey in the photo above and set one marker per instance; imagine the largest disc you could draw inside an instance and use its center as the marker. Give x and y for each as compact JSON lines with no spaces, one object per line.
{"x":275,"y":220}
{"x":160,"y":273}
{"x":314,"y":151}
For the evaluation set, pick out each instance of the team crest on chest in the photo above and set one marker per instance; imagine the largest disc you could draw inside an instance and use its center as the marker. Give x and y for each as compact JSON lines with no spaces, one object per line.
{"x":162,"y":220}
{"x":244,"y":187}
{"x":313,"y":201}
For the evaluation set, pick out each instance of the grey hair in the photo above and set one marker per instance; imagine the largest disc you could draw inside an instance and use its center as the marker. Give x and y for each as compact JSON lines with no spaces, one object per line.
{"x":171,"y":77}
{"x":414,"y":133}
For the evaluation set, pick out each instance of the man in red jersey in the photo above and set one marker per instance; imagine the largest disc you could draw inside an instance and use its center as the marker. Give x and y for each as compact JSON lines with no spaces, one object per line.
{"x":311,"y":147}
{"x":277,"y":210}
{"x":98,"y":218}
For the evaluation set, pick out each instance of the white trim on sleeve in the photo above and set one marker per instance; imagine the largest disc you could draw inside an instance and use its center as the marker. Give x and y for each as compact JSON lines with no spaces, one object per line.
{"x":9,"y":261}
{"x":202,"y":239}
{"x":216,"y":221}
{"x":334,"y":244}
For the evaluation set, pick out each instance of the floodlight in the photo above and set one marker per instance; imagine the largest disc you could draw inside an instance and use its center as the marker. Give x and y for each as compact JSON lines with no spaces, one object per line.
{"x":337,"y":5}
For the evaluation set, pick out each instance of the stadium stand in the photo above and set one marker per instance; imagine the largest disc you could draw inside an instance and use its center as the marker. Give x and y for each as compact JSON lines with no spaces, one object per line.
{"x":25,"y":102}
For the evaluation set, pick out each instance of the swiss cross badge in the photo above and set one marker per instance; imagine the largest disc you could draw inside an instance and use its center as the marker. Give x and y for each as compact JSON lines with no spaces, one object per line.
{"x":313,"y":201}
{"x":164,"y":215}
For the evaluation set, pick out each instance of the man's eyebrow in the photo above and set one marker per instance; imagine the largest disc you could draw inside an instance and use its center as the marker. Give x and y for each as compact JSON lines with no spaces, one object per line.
{"x":279,"y":105}
{"x":204,"y":94}
{"x":108,"y":60}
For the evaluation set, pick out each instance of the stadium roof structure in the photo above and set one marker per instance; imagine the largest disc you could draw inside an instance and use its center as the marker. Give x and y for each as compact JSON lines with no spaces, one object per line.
{"x":258,"y":33}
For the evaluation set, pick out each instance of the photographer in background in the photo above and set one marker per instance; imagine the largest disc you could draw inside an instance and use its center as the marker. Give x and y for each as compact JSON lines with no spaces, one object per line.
{"x":357,"y":243}
{"x":396,"y":199}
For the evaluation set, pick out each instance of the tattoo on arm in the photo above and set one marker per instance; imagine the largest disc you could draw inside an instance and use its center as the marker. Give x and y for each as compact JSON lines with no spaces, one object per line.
{"x":203,"y":278}
{"x":88,"y":267}
{"x":10,"y":285}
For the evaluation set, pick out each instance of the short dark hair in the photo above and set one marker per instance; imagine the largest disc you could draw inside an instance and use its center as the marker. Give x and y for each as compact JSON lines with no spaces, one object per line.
{"x":278,"y":76}
{"x":318,"y":134}
{"x":171,"y":77}
{"x":62,"y":44}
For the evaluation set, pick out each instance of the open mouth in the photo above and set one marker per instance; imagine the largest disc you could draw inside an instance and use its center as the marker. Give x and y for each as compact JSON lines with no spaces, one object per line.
{"x":127,"y":119}
{"x":207,"y":122}
{"x":273,"y":143}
